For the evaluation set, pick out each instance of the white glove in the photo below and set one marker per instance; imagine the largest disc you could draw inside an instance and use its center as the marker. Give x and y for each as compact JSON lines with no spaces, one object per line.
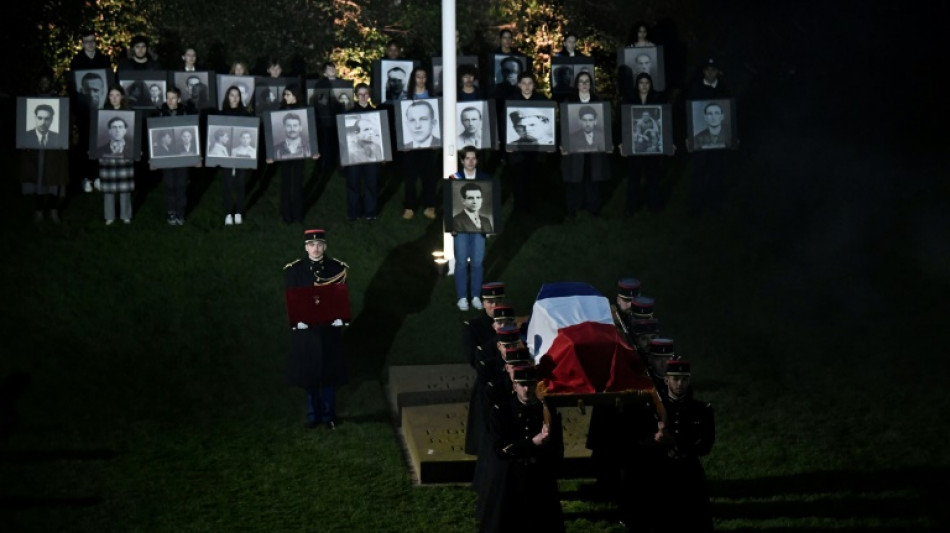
{"x":301,"y":325}
{"x":337,"y":323}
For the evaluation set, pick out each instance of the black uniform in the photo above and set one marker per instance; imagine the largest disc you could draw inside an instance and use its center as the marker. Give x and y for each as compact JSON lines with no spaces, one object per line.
{"x":479,"y":342}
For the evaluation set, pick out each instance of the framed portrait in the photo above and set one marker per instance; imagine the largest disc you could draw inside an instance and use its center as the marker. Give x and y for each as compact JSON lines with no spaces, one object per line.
{"x":245,"y":84}
{"x":42,"y":123}
{"x":364,"y":138}
{"x":320,"y":95}
{"x":633,"y":60}
{"x":476,"y":125}
{"x":92,"y":87}
{"x":711,"y":124}
{"x":392,"y":79}
{"x":472,"y":206}
{"x":114,"y":133}
{"x":290,"y":134}
{"x":419,"y":124}
{"x":344,"y":98}
{"x":565,"y":69}
{"x":436,"y":80}
{"x":173,"y":142}
{"x":268,"y":93}
{"x":507,"y":67}
{"x":197,"y":87}
{"x":144,"y":89}
{"x":232,"y":142}
{"x":647,"y":129}
{"x":585,"y":127}
{"x":530,"y":125}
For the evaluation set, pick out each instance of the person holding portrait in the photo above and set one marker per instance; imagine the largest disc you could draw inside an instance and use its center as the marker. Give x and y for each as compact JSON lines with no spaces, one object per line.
{"x":295,"y":144}
{"x":232,"y":179}
{"x":363,"y":147}
{"x":44,"y":174}
{"x":470,"y":246}
{"x":587,"y":166}
{"x":649,"y":168}
{"x":116,"y":165}
{"x":87,"y":96}
{"x":175,"y":179}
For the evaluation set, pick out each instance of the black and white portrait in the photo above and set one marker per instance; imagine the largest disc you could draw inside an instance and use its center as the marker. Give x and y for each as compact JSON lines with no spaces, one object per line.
{"x":586,"y":127}
{"x":115,"y":135}
{"x":564,"y":71}
{"x":472,"y":206}
{"x":144,"y":89}
{"x":418,"y":124}
{"x":508,"y":67}
{"x":530,"y":127}
{"x":473,"y":122}
{"x":646,"y":59}
{"x":318,"y":97}
{"x":195,"y":87}
{"x":91,"y":87}
{"x":364,"y":138}
{"x":437,"y":79}
{"x":394,"y":79}
{"x":232,"y":141}
{"x":245,"y":84}
{"x":267,"y":98}
{"x":173,"y":141}
{"x":647,"y":124}
{"x":42,"y":123}
{"x":710,"y":124}
{"x":293,"y":134}
{"x":343,"y":97}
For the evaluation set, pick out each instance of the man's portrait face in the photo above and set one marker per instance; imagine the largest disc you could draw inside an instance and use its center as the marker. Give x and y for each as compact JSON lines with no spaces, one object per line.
{"x":365,"y":132}
{"x":643,"y":63}
{"x":246,"y":139}
{"x":292,"y":127}
{"x":193,"y":83}
{"x":44,"y":119}
{"x":471,"y":121}
{"x":155,"y":92}
{"x":420,"y":119}
{"x":510,"y":68}
{"x":186,"y":137}
{"x":713,"y":115}
{"x":166,"y":139}
{"x":530,"y":127}
{"x":588,"y":121}
{"x":117,"y":129}
{"x":139,"y":50}
{"x":395,"y":81}
{"x":92,"y":88}
{"x":472,"y":201}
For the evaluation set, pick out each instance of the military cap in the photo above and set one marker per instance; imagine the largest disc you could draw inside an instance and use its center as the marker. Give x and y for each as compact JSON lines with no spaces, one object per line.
{"x":518,"y":116}
{"x":678,"y":367}
{"x":642,"y":306}
{"x":628,"y":288}
{"x":504,"y":312}
{"x":528,"y":374}
{"x":509,"y":334}
{"x":662,"y":347}
{"x":312,"y":235}
{"x":519,"y":356}
{"x":495,"y":289}
{"x":646,"y":325}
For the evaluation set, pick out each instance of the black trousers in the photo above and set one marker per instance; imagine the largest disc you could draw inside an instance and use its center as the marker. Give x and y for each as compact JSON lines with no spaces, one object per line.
{"x":291,"y":191}
{"x":176,"y":190}
{"x":232,"y":189}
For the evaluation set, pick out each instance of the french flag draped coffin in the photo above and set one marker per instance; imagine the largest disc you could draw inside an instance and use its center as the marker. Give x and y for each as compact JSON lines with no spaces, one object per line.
{"x":576,"y":345}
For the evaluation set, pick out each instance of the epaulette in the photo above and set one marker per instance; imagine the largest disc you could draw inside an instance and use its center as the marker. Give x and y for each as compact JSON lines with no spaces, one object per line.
{"x":292,"y":263}
{"x":342,"y":263}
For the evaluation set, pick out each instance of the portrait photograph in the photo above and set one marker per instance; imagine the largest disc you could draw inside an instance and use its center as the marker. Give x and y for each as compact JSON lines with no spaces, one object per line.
{"x":507,"y":67}
{"x":647,"y":130}
{"x":364,"y":138}
{"x":392,"y":79}
{"x":114,"y":133}
{"x":173,"y":142}
{"x":91,"y":87}
{"x":197,"y":87}
{"x":419,"y":124}
{"x":318,"y":94}
{"x":649,"y":59}
{"x":472,"y":206}
{"x":144,"y":89}
{"x":344,"y":98}
{"x":42,"y":123}
{"x":565,"y":69}
{"x":290,"y":134}
{"x":245,"y":84}
{"x":711,"y":124}
{"x":268,"y":93}
{"x":585,"y":127}
{"x":436,"y":72}
{"x":232,"y":141}
{"x":530,"y":126}
{"x":475,"y":124}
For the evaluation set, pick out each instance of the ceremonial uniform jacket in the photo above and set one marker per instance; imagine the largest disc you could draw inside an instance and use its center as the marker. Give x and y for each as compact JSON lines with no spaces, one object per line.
{"x":479,"y":343}
{"x":316,"y":353}
{"x":691,"y":425}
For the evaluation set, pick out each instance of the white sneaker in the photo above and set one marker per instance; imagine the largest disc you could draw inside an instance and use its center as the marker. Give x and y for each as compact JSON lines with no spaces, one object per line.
{"x":463,"y":304}
{"x":477,"y":303}
{"x":86,"y":185}
{"x":228,"y":220}
{"x":238,"y":219}
{"x":97,"y":184}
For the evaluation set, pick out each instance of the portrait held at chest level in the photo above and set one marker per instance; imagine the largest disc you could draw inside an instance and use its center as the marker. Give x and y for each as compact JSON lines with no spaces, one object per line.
{"x":530,"y":126}
{"x":564,"y":71}
{"x":173,"y":142}
{"x":144,"y":89}
{"x":268,"y":91}
{"x":419,"y":124}
{"x":391,"y":81}
{"x":91,"y":87}
{"x":507,"y":68}
{"x":648,"y":59}
{"x":197,"y":87}
{"x":472,"y":206}
{"x":711,"y":124}
{"x":476,"y":124}
{"x":290,"y":134}
{"x":232,"y":141}
{"x":364,"y":138}
{"x":647,"y":129}
{"x":114,"y":134}
{"x":245,"y":84}
{"x":438,"y":86}
{"x":42,"y":123}
{"x":585,"y":127}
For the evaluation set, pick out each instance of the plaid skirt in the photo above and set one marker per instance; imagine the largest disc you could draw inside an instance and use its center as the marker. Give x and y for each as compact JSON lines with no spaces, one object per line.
{"x":116,"y":175}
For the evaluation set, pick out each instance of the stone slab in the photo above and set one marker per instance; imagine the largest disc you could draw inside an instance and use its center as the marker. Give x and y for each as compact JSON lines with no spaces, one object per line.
{"x":415,"y":385}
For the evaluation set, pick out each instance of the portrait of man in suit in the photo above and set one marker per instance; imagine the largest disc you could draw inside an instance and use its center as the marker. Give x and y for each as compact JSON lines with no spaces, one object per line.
{"x":120,"y":142}
{"x":589,"y":137}
{"x":471,"y":121}
{"x":188,"y":144}
{"x":197,"y":92}
{"x":295,"y":144}
{"x":91,"y":87}
{"x":164,"y":143}
{"x":716,"y":134}
{"x":420,"y":128}
{"x":42,"y":135}
{"x":470,"y":219}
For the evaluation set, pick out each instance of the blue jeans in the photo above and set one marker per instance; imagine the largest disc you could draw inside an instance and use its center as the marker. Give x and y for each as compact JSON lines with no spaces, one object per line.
{"x":321,"y":404}
{"x":469,"y":246}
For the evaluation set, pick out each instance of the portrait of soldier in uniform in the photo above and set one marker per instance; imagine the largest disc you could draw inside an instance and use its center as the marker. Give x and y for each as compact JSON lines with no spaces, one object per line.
{"x":531,"y":126}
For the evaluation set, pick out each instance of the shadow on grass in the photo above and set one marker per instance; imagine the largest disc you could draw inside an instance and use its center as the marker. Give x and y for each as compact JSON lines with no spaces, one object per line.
{"x":258,"y":183}
{"x":27,"y":502}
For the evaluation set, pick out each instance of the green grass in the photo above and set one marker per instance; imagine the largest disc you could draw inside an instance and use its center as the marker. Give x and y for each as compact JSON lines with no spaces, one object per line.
{"x":154,"y":356}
